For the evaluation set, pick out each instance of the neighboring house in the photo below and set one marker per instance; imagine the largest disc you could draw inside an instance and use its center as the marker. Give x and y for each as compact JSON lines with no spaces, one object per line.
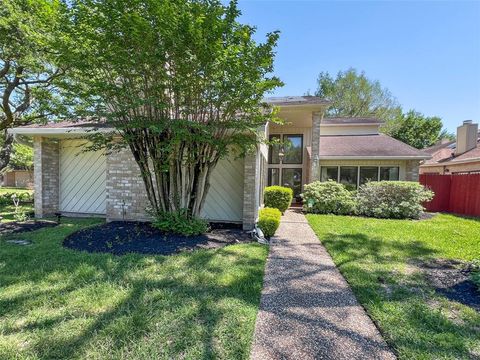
{"x":461,"y":156}
{"x":17,"y":178}
{"x":351,"y":151}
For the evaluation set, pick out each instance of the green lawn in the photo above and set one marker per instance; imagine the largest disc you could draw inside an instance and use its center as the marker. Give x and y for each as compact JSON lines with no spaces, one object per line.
{"x":57,"y":303}
{"x":378,"y":257}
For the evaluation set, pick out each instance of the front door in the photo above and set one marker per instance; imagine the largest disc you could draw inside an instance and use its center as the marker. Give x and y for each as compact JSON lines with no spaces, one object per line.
{"x":285,"y":162}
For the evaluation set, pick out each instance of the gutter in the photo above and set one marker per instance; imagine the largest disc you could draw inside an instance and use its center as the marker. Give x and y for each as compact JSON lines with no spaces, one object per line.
{"x":56,"y":131}
{"x":452,"y":162}
{"x":412,"y":157}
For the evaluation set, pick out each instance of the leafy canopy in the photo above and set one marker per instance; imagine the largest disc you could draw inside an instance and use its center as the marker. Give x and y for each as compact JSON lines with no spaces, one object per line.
{"x":354,"y":95}
{"x":417,"y":130}
{"x":181,"y":82}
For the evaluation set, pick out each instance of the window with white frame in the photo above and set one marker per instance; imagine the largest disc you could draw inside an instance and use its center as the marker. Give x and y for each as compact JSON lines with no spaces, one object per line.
{"x":354,"y":176}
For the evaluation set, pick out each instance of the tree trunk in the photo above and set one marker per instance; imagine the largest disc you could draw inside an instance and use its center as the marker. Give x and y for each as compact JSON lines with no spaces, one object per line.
{"x":6,"y":150}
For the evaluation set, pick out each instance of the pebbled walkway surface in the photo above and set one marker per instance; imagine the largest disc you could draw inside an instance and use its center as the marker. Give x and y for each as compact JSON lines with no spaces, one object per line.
{"x":307,"y":309}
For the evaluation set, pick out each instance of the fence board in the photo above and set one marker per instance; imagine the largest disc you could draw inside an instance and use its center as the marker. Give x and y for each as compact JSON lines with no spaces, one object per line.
{"x":459,"y":194}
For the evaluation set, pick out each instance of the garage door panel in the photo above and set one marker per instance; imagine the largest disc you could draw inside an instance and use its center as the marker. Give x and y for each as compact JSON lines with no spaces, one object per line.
{"x":82,"y":179}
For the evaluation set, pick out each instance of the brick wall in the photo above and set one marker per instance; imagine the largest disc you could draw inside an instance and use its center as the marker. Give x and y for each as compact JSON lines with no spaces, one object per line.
{"x":46,"y":176}
{"x":126,"y":195}
{"x":411,"y":170}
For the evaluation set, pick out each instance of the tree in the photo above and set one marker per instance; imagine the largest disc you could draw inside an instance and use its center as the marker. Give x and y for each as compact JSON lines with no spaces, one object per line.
{"x":21,"y":158}
{"x":354,"y":95}
{"x":417,"y":130}
{"x":180,"y":82}
{"x":27,"y":65}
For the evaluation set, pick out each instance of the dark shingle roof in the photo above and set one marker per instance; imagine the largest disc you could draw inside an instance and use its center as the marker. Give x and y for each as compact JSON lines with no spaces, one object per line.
{"x":350,"y":120}
{"x":367,"y":145}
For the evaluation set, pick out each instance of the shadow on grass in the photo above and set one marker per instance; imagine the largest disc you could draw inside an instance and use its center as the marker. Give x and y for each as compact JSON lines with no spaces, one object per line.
{"x":67,"y":303}
{"x":415,"y":321}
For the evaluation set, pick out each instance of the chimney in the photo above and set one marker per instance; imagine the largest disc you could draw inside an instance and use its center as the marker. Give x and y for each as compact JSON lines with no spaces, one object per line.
{"x":467,"y":135}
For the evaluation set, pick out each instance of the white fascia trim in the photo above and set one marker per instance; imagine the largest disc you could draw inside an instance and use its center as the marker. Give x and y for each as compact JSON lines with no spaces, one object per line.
{"x":352,"y":124}
{"x":452,"y":162}
{"x":415,"y":157}
{"x":56,"y":131}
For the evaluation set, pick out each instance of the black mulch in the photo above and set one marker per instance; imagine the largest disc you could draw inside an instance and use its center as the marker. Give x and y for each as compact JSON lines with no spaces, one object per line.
{"x":119,"y":237}
{"x":451,"y":279}
{"x":14,"y":227}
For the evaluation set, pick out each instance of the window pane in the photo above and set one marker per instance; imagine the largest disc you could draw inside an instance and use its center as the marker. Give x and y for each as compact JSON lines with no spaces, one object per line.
{"x":348,"y":176}
{"x":328,"y":173}
{"x":368,"y":173}
{"x":293,"y":147}
{"x":292,"y":178}
{"x":273,"y":177}
{"x":273,"y":150}
{"x":389,"y":173}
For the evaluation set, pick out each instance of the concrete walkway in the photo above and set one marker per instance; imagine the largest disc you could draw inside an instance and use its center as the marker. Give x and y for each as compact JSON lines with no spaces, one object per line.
{"x":307,"y":309}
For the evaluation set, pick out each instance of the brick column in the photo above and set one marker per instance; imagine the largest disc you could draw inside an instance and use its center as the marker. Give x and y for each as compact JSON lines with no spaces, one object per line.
{"x":126,"y":195}
{"x":411,"y":170}
{"x":250,"y":191}
{"x":46,"y":176}
{"x":314,"y":164}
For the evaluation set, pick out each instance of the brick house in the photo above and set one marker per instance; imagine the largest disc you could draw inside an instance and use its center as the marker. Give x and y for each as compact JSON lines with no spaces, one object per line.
{"x":349,"y":150}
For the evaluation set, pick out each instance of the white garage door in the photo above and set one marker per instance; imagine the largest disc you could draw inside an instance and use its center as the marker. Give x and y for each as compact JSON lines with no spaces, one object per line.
{"x":82,"y":179}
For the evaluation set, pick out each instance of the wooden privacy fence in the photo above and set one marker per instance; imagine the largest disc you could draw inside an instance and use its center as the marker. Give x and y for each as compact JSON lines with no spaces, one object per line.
{"x":459,"y":194}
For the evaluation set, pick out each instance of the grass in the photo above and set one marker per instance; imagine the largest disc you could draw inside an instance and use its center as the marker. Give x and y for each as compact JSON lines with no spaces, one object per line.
{"x":375,"y":257}
{"x":57,"y":303}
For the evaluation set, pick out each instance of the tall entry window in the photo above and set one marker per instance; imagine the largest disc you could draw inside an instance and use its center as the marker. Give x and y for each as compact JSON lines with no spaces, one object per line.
{"x":285,"y":162}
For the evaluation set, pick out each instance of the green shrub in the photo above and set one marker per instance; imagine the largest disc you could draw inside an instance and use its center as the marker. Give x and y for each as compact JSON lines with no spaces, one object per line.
{"x":23,"y":196}
{"x":328,"y":197}
{"x":278,"y":197}
{"x":180,"y":222}
{"x":269,"y":221}
{"x":475,"y":274}
{"x":392,"y":199}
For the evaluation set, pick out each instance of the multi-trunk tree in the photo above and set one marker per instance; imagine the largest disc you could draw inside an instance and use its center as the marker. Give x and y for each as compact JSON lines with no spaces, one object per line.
{"x":180,"y":83}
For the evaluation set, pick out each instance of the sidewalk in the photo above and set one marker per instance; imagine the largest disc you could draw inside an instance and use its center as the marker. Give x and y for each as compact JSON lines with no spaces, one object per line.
{"x":307,"y":309}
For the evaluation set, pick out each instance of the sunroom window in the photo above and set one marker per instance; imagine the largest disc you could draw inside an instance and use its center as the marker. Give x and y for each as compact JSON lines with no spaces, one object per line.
{"x":329,"y":173}
{"x":368,"y":173}
{"x":391,"y":173}
{"x":349,"y":176}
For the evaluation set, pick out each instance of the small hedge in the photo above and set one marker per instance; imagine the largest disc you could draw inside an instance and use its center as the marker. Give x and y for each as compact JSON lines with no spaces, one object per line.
{"x":328,"y":197}
{"x":23,"y":196}
{"x":392,"y":199}
{"x":269,"y":221}
{"x":180,"y":222}
{"x":278,"y":197}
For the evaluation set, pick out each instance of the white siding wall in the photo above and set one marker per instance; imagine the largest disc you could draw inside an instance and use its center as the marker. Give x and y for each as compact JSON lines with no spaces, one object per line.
{"x":224,"y":200}
{"x":82,"y":179}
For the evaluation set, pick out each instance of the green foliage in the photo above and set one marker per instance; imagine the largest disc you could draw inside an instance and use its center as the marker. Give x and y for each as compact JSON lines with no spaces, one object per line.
{"x":6,"y":196}
{"x":180,"y":222}
{"x":278,"y":197}
{"x":392,"y":199}
{"x":22,"y":157}
{"x":269,"y":221}
{"x":416,"y":129}
{"x":328,"y":197}
{"x":353,"y":94}
{"x":182,"y":82}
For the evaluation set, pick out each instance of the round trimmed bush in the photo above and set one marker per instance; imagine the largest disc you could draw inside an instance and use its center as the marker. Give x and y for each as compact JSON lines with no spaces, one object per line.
{"x":269,"y":221}
{"x":328,"y":197}
{"x":278,"y":197}
{"x":392,"y":199}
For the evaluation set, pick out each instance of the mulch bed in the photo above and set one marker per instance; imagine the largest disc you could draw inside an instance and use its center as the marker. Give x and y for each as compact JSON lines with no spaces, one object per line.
{"x":451,"y":279}
{"x":14,"y":227}
{"x":123,"y":237}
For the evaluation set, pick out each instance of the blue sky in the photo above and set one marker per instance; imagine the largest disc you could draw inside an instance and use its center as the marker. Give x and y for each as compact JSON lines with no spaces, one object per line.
{"x":426,"y":53}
